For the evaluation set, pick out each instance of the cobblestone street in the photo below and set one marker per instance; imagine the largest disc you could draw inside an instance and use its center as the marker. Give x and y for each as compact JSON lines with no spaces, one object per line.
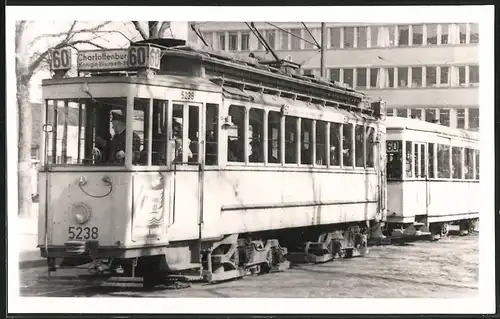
{"x":417,"y":270}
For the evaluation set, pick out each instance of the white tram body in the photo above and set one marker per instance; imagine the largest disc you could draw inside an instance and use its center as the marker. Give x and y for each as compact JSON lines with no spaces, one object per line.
{"x":317,"y":162}
{"x":432,"y":173}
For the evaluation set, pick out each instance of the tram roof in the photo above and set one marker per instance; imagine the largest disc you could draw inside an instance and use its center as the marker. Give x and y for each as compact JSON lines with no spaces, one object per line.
{"x":402,"y":123}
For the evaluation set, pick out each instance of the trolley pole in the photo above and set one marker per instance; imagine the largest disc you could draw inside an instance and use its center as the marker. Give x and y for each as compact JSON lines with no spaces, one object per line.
{"x":323,"y":45}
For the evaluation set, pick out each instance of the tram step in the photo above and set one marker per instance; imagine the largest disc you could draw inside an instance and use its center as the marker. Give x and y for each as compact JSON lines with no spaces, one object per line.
{"x":184,"y":266}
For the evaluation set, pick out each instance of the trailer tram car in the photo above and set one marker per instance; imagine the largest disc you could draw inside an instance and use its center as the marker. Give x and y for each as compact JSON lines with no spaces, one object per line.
{"x":432,"y":178}
{"x":231,"y":165}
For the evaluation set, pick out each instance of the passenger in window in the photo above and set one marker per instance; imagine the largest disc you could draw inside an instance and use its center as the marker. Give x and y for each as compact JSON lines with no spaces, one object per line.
{"x":256,"y":155}
{"x":113,"y":150}
{"x":177,"y":134}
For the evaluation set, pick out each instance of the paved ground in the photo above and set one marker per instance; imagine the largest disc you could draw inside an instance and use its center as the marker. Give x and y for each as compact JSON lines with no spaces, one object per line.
{"x":444,"y":269}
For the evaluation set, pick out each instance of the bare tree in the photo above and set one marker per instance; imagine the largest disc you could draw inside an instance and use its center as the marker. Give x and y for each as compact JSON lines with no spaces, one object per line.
{"x":155,"y":30}
{"x":30,"y":60}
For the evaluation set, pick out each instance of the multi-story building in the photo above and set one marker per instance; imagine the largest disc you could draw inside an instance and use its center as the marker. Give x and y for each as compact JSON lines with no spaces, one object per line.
{"x":429,"y":71}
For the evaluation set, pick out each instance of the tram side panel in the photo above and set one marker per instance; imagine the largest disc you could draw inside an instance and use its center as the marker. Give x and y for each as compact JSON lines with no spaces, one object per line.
{"x":462,"y":204}
{"x":260,"y":200}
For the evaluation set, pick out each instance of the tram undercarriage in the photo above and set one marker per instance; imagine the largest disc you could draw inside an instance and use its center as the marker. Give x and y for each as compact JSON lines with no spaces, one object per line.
{"x":234,"y":256}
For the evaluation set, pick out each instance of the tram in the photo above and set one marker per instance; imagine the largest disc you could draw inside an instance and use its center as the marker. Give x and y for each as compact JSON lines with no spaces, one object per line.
{"x":186,"y":161}
{"x":432,"y":178}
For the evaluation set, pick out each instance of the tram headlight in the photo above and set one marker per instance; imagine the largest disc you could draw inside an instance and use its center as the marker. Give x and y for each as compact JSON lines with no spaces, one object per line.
{"x":81,"y":212}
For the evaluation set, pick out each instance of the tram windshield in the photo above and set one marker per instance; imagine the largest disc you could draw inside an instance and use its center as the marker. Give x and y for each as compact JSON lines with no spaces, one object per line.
{"x":93,"y":132}
{"x":394,"y":160}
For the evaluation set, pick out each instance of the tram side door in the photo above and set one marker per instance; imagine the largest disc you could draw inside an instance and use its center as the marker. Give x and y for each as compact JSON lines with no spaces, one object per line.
{"x":187,"y":154}
{"x":420,"y":167}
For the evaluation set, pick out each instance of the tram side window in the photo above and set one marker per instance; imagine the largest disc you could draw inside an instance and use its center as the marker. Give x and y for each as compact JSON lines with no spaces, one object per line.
{"x":212,"y":134}
{"x":443,"y":165}
{"x":256,"y":135}
{"x":193,"y":133}
{"x":178,"y":132}
{"x":320,"y":143}
{"x":469,"y":163}
{"x":431,"y":160}
{"x":394,"y":150}
{"x":423,"y":162}
{"x":347,"y":144}
{"x":369,"y":150}
{"x":291,"y":140}
{"x":236,"y":137}
{"x":306,"y":141}
{"x":360,"y":134}
{"x":159,"y":133}
{"x":274,"y":137}
{"x":477,"y":164}
{"x":456,"y":162}
{"x":335,"y":150}
{"x":140,"y":131}
{"x":409,"y":156}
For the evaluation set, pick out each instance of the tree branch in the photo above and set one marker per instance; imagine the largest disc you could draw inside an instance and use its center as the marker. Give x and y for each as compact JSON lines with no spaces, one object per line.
{"x":140,"y":29}
{"x":164,"y":26}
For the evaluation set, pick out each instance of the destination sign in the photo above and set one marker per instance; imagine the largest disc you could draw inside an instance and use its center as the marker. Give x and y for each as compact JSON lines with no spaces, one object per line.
{"x":96,"y":60}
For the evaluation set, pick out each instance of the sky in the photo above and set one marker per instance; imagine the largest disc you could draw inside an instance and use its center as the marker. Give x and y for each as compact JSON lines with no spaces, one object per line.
{"x":108,"y":40}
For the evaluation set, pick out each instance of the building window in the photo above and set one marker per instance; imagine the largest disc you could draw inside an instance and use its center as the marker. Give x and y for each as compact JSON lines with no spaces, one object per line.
{"x":361,"y":77}
{"x":374,"y":37}
{"x":474,"y":74}
{"x":418,"y":34}
{"x":386,"y":81}
{"x":461,"y":75}
{"x":403,"y":35}
{"x":432,"y":34}
{"x":416,"y":77}
{"x":445,"y":30}
{"x":474,"y":33}
{"x":460,"y":118}
{"x":348,"y":77}
{"x":348,"y":37}
{"x":416,"y":114}
{"x":271,"y":38}
{"x":430,"y":76}
{"x":335,"y":38}
{"x":392,"y":36}
{"x":445,"y":75}
{"x":335,"y":74}
{"x":474,"y":119}
{"x":233,"y":41}
{"x":462,"y":28}
{"x":430,"y":115}
{"x":245,"y":41}
{"x":208,"y":38}
{"x":362,"y":37}
{"x":402,"y":112}
{"x":373,"y":77}
{"x":403,"y":77}
{"x":444,"y":117}
{"x":284,"y":40}
{"x":295,"y":39}
{"x":222,"y":41}
{"x":308,"y":44}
